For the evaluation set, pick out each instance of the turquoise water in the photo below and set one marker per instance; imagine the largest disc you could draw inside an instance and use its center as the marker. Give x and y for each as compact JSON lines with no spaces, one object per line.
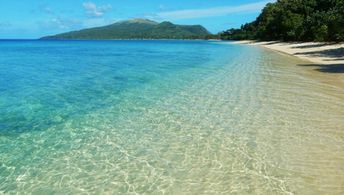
{"x":173,"y":117}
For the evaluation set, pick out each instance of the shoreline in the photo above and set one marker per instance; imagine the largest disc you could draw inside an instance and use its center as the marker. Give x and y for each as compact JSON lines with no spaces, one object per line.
{"x":315,"y":52}
{"x":326,"y":60}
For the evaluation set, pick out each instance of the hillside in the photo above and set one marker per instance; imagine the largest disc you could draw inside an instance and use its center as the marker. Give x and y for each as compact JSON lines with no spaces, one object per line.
{"x":294,"y":20}
{"x":137,"y":29}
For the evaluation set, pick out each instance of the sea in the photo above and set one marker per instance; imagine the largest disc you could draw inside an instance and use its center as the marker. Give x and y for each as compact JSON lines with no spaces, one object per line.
{"x":165,"y":117}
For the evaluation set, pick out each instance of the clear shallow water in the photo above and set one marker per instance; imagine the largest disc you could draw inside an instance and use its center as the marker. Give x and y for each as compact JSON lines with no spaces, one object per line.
{"x":165,"y":117}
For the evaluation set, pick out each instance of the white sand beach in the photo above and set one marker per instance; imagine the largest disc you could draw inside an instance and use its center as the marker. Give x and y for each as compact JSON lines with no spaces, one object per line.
{"x":324,"y":58}
{"x":315,"y":52}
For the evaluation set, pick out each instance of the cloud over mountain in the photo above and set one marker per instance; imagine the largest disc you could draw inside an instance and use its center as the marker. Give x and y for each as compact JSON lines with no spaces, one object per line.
{"x":93,"y":10}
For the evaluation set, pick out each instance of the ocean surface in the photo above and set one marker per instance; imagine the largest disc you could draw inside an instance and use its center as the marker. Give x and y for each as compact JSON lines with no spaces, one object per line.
{"x":165,"y":117}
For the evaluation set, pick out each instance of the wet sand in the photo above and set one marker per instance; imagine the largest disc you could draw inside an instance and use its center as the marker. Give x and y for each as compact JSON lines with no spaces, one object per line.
{"x":322,"y":57}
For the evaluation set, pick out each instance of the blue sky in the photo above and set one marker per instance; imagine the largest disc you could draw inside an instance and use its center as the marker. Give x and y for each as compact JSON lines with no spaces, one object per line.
{"x":36,"y":18}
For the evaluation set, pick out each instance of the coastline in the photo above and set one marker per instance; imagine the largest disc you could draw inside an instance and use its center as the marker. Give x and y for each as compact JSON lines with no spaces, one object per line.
{"x":315,"y":52}
{"x":326,"y":60}
{"x":151,"y":111}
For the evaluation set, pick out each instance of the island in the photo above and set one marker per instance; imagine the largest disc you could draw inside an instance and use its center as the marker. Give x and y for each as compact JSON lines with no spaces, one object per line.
{"x":137,"y":29}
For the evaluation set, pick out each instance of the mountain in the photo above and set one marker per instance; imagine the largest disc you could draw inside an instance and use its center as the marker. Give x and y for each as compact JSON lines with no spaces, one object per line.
{"x":137,"y":29}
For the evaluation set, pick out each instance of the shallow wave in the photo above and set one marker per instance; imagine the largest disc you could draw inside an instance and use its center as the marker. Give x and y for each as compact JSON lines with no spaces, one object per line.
{"x":223,"y":119}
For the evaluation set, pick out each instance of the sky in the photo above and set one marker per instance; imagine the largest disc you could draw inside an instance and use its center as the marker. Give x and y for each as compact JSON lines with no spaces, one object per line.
{"x":30,"y":19}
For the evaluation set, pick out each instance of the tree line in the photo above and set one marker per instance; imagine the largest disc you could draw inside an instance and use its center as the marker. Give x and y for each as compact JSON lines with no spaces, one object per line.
{"x":294,"y":20}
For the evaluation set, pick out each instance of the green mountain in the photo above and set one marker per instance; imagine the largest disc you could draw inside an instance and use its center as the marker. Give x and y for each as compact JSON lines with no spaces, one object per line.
{"x":138,"y":29}
{"x":295,"y":20}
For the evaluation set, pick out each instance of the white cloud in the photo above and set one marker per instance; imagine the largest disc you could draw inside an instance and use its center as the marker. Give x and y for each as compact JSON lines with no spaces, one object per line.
{"x":96,"y":11}
{"x":211,"y":12}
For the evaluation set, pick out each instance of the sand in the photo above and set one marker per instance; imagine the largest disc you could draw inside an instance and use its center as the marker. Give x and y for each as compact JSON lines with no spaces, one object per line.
{"x":326,"y":59}
{"x":318,"y":53}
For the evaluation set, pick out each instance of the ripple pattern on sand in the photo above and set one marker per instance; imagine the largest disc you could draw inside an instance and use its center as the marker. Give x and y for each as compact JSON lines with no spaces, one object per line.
{"x":250,"y":122}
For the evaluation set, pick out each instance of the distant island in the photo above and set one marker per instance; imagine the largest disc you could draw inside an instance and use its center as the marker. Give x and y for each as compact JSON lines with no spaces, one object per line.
{"x":289,"y":20}
{"x":137,"y":29}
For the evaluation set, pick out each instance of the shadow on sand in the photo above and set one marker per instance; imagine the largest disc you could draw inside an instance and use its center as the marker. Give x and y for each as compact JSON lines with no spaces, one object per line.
{"x":269,"y":43}
{"x":313,"y":45}
{"x":328,"y":68}
{"x":338,"y":53}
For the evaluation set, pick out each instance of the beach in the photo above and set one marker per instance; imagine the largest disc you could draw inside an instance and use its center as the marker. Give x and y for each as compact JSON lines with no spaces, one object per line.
{"x":173,"y":117}
{"x":315,"y":52}
{"x":323,"y":57}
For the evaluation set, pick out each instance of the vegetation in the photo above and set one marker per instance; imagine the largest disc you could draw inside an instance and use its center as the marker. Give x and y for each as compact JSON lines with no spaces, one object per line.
{"x":295,"y":20}
{"x":138,"y":29}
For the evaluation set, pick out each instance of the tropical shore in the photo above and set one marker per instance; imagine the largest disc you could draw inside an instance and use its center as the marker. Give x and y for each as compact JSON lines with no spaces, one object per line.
{"x":323,"y":57}
{"x":315,"y":52}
